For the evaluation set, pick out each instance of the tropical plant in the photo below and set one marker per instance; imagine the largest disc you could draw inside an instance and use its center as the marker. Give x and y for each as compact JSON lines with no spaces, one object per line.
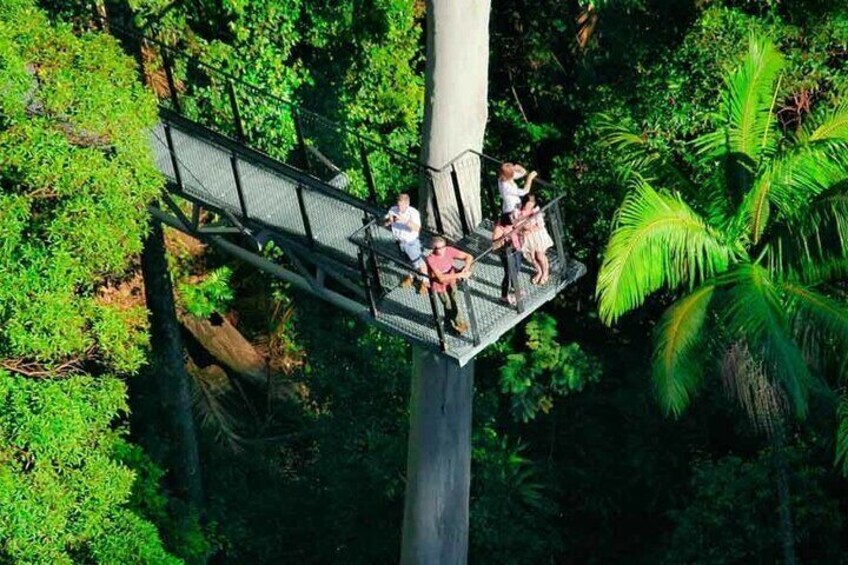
{"x":748,"y":243}
{"x":547,"y":370}
{"x":212,"y":294}
{"x":75,"y":178}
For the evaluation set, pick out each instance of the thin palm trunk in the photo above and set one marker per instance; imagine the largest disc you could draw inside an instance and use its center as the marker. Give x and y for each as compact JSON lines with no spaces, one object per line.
{"x":787,"y":529}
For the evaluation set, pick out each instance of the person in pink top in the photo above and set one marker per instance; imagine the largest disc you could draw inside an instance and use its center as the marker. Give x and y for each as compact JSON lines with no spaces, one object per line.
{"x":443,"y":277}
{"x":508,"y":241}
{"x":530,"y":220}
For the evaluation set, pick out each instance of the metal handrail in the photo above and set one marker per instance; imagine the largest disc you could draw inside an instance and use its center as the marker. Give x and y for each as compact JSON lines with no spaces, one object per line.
{"x":305,"y":180}
{"x":492,"y":248}
{"x":408,"y":159}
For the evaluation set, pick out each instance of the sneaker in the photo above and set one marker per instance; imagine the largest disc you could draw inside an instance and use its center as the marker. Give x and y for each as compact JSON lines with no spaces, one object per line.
{"x":407,"y":282}
{"x":508,"y":300}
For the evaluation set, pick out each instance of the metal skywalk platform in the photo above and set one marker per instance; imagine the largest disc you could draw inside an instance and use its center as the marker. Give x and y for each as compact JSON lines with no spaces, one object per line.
{"x":332,"y":242}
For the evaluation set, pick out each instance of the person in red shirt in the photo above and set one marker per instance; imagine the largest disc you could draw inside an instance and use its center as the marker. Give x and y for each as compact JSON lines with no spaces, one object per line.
{"x":443,"y":277}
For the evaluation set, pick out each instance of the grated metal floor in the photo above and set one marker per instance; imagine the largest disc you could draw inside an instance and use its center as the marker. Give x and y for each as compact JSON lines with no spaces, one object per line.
{"x":270,"y":199}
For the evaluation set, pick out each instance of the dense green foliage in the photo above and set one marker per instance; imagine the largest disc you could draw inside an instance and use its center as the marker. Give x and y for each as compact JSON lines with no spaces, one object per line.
{"x":75,"y":178}
{"x":573,"y":461}
{"x":756,"y":250}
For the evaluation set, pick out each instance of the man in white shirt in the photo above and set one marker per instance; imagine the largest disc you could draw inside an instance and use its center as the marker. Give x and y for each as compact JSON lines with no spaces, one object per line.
{"x":510,"y":193}
{"x":405,"y":222}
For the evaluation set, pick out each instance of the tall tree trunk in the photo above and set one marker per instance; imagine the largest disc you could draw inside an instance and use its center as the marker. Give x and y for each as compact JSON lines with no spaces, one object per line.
{"x":435,"y":518}
{"x":455,"y":108}
{"x":171,"y":380}
{"x":438,"y":476}
{"x":787,"y":530}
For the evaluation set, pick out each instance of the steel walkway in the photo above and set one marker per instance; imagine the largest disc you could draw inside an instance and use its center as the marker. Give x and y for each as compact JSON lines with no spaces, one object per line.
{"x":328,"y":241}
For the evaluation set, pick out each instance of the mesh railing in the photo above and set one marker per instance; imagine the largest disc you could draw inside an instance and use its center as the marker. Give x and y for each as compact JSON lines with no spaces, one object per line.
{"x":480,"y":294}
{"x":262,"y":160}
{"x":347,"y":159}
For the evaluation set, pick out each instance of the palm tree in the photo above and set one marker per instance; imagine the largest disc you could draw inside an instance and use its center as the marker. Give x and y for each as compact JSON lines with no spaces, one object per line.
{"x":748,"y":243}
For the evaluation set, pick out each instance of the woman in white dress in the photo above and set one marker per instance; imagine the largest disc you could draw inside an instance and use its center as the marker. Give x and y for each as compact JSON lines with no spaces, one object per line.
{"x":537,"y":240}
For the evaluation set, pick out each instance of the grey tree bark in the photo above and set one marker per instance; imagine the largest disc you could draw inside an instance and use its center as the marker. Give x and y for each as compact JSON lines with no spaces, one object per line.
{"x":455,"y":108}
{"x":168,"y":369}
{"x":438,"y":479}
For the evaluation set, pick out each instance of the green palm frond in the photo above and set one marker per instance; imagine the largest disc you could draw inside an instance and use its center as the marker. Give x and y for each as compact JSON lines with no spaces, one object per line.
{"x":677,"y":371}
{"x":820,"y":323}
{"x":749,"y":99}
{"x":812,"y":245}
{"x":842,"y":436}
{"x":828,"y":124}
{"x":634,"y":154}
{"x":657,"y":241}
{"x":791,"y":182}
{"x":755,"y":311}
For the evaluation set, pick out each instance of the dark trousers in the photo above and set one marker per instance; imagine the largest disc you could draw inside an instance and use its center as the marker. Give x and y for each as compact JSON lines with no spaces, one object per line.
{"x":449,"y":300}
{"x":511,"y":261}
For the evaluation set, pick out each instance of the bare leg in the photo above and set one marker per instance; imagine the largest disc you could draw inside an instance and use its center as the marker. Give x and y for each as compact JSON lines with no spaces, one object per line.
{"x":538,"y":276}
{"x":546,"y":266}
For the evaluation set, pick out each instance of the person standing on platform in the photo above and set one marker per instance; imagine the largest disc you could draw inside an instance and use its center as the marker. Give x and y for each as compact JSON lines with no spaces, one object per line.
{"x":405,"y":222}
{"x":530,"y":220}
{"x":443,"y":274}
{"x":509,"y":191}
{"x":508,"y":241}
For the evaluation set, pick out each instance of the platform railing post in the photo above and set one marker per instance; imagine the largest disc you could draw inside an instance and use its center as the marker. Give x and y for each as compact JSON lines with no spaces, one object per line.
{"x":490,"y":193}
{"x":301,"y":140}
{"x":231,"y":91}
{"x":372,"y":260}
{"x":437,"y":211}
{"x":440,"y":331}
{"x":239,"y":189}
{"x":515,"y":276}
{"x":172,"y":85}
{"x":366,"y":282}
{"x":457,"y":191}
{"x":472,"y":313}
{"x":173,"y":154}
{"x":369,"y":177}
{"x":307,"y":227}
{"x":560,"y":234}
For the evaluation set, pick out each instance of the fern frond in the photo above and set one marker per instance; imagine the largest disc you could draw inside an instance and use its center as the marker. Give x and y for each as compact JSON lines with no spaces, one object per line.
{"x":657,"y":241}
{"x":677,"y":371}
